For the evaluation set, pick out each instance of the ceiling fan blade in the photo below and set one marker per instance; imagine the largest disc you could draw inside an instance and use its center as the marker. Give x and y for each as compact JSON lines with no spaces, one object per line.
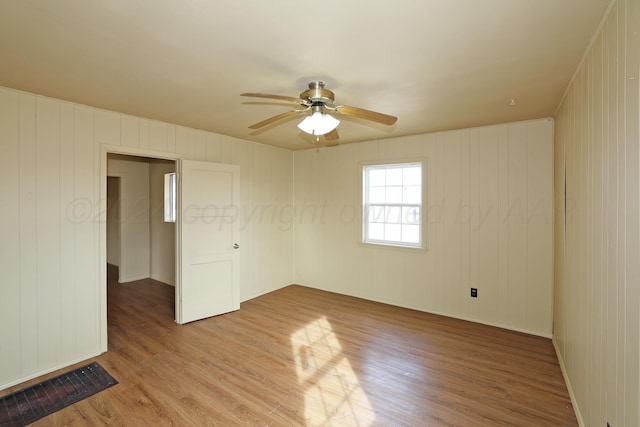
{"x":332,"y":136}
{"x":274,"y":119}
{"x":366,"y":114}
{"x":280,"y":97}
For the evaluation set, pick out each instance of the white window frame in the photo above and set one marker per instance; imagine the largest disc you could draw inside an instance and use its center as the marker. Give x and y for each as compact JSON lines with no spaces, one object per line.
{"x":170,"y":197}
{"x":367,"y":205}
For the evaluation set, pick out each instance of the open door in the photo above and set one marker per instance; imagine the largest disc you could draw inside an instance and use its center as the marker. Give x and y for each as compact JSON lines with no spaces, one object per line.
{"x":208,"y":269}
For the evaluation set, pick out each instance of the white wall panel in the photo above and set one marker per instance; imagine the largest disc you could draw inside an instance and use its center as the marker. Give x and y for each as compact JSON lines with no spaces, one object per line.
{"x":515,"y":220}
{"x":143,"y":141}
{"x":612,"y":366}
{"x":226,"y":149}
{"x":28,"y":244}
{"x":171,"y":138}
{"x":539,"y":222}
{"x":130,"y":131}
{"x":435,"y":212}
{"x":481,"y":184}
{"x":472,"y":217}
{"x":135,"y":246}
{"x":67,"y":256}
{"x":451,"y":221}
{"x":84,"y":214}
{"x":597,"y":294}
{"x":107,"y":127}
{"x":163,"y":234}
{"x":158,"y":136}
{"x":213,"y":147}
{"x":488,"y":224}
{"x":48,"y":230}
{"x":113,"y":221}
{"x":10,"y":327}
{"x":51,"y":243}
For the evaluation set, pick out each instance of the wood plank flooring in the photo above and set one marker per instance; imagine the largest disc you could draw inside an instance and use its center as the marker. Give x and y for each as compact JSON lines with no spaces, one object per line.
{"x":304,"y":357}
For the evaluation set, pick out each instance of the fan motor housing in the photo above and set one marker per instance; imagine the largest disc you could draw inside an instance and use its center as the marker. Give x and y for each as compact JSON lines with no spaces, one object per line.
{"x":318,"y":94}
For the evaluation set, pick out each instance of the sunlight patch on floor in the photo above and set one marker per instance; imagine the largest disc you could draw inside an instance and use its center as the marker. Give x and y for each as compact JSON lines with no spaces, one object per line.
{"x":333,"y":394}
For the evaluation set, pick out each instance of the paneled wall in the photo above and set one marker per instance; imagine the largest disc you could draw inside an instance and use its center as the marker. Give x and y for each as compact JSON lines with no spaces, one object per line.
{"x":50,"y":249}
{"x":135,"y":215}
{"x":488,"y":225}
{"x":597,"y":256}
{"x":163,"y":234}
{"x":113,"y":220}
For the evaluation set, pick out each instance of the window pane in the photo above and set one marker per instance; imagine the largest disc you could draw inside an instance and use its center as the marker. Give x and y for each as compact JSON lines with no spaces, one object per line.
{"x":410,"y":215}
{"x":411,"y":194}
{"x":394,"y":176}
{"x":376,"y":214}
{"x":377,"y":194}
{"x":393,"y":204}
{"x":412,"y":175}
{"x":394,"y":195}
{"x":411,"y":233}
{"x":377,"y":177}
{"x":393,"y":214}
{"x":393,"y":232}
{"x":376,"y":231}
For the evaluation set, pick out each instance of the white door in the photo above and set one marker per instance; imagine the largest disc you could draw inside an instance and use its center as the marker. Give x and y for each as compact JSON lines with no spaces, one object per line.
{"x":208,"y":269}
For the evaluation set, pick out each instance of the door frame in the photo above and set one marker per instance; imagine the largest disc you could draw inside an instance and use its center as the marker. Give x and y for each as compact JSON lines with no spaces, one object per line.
{"x":105,"y":150}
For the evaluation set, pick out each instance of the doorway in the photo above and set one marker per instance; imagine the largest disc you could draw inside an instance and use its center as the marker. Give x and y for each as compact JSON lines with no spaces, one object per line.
{"x":205,"y":257}
{"x":140,"y":244}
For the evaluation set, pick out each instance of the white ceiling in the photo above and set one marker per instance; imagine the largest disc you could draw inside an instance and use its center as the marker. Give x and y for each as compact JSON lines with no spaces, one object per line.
{"x":435,"y":64}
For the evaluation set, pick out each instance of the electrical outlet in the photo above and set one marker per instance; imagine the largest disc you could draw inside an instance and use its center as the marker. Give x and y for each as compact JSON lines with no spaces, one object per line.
{"x":474,"y":292}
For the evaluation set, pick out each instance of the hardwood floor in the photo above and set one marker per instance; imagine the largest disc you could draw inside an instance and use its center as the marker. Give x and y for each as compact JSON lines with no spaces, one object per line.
{"x":303,"y":357}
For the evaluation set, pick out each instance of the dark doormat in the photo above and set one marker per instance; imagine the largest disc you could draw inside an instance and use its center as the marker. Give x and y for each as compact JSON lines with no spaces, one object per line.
{"x":30,"y":404}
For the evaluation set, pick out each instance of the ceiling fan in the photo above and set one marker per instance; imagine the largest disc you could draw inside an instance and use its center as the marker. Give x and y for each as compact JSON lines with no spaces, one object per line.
{"x":318,"y":105}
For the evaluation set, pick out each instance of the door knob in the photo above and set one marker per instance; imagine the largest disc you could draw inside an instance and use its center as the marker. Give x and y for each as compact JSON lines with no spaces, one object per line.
{"x":236,"y":246}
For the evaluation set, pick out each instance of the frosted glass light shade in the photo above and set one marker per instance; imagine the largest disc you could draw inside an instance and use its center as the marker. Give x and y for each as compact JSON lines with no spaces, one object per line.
{"x":318,"y":124}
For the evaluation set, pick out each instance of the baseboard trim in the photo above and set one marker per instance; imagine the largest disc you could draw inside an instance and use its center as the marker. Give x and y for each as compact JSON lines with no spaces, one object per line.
{"x":567,"y":382}
{"x":259,"y":294}
{"x":133,"y":278}
{"x":439,"y":313}
{"x":469,"y":319}
{"x":47,"y":371}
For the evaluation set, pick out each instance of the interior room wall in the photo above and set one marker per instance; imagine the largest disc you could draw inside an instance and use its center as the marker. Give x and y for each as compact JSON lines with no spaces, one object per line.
{"x":50,"y":251}
{"x":135,"y":253}
{"x":163,"y":234}
{"x":488,"y":218}
{"x":113,"y":221}
{"x":597,"y":280}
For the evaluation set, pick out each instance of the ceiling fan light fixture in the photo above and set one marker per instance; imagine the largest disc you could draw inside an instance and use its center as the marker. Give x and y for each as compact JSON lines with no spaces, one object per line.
{"x":318,"y":123}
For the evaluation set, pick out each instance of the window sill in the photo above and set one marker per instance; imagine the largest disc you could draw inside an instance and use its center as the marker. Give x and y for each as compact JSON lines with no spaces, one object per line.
{"x":394,"y":246}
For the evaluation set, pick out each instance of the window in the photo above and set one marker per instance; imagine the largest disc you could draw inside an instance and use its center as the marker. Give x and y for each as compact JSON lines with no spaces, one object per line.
{"x":392,"y":199}
{"x":170,"y":197}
